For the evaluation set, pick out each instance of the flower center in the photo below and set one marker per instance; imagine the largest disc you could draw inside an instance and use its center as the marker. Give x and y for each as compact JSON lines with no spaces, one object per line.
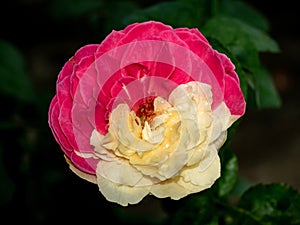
{"x":145,"y":109}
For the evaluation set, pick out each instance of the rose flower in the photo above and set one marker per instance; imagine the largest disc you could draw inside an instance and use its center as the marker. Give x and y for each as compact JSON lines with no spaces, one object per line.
{"x":146,"y":111}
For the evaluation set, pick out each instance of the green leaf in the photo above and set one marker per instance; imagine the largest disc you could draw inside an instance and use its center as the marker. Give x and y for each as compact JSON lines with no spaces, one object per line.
{"x":203,"y":9}
{"x":176,"y":14}
{"x":266,"y":95}
{"x":235,"y":40}
{"x":242,"y":184}
{"x":229,"y":172}
{"x":243,"y":48}
{"x":14,"y":78}
{"x":245,"y":51}
{"x":229,"y":30}
{"x":272,"y":204}
{"x":244,"y":12}
{"x":195,"y":209}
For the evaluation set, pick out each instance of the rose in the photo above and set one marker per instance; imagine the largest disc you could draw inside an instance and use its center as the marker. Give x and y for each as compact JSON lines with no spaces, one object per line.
{"x":146,"y":111}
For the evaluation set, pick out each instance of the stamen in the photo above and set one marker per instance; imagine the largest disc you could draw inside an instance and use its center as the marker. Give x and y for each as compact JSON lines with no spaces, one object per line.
{"x":145,"y":109}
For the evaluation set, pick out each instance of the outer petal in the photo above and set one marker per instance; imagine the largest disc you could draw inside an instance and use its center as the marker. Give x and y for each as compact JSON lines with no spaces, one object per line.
{"x":53,"y":122}
{"x":144,"y":31}
{"x":234,"y":98}
{"x":86,"y":176}
{"x":190,"y":181}
{"x":197,"y":180}
{"x":60,"y":117}
{"x":122,"y":173}
{"x":121,"y":194}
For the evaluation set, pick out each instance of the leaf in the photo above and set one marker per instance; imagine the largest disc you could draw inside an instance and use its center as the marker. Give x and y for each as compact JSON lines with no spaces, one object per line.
{"x":229,"y":172}
{"x":176,"y":14}
{"x":271,"y":204}
{"x":265,"y":91}
{"x":14,"y":78}
{"x":195,"y":209}
{"x":242,"y":184}
{"x":242,"y":47}
{"x":225,"y":28}
{"x":244,"y":12}
{"x":235,"y":40}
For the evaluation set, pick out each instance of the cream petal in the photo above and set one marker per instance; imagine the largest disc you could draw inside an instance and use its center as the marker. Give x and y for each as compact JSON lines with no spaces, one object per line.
{"x":210,"y":154}
{"x":196,"y":154}
{"x":150,"y":171}
{"x":180,"y":187}
{"x":221,"y":121}
{"x":195,"y":104}
{"x":101,"y":151}
{"x":96,"y":154}
{"x":121,"y":194}
{"x":195,"y":179}
{"x":192,"y":93}
{"x":95,"y":139}
{"x":172,"y":155}
{"x":121,"y":172}
{"x":196,"y":122}
{"x":167,"y":159}
{"x":174,"y":163}
{"x":169,"y":188}
{"x":191,"y":134}
{"x":109,"y":142}
{"x":121,"y":126}
{"x":159,"y":120}
{"x":218,"y":143}
{"x":125,"y":151}
{"x":154,"y":136}
{"x":161,"y":105}
{"x":232,"y":119}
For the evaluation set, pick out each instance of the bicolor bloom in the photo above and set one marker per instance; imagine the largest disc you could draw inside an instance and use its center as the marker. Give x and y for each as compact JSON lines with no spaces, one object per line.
{"x":146,"y":111}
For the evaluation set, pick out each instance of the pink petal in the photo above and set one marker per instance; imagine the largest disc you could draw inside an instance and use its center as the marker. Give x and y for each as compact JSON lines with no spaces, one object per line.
{"x":143,"y":31}
{"x":65,"y":122}
{"x":185,"y":33}
{"x":55,"y":127}
{"x":87,"y":165}
{"x":234,"y":98}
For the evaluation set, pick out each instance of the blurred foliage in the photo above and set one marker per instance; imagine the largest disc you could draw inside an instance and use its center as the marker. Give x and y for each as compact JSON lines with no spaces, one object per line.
{"x":14,"y":74}
{"x":36,"y":184}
